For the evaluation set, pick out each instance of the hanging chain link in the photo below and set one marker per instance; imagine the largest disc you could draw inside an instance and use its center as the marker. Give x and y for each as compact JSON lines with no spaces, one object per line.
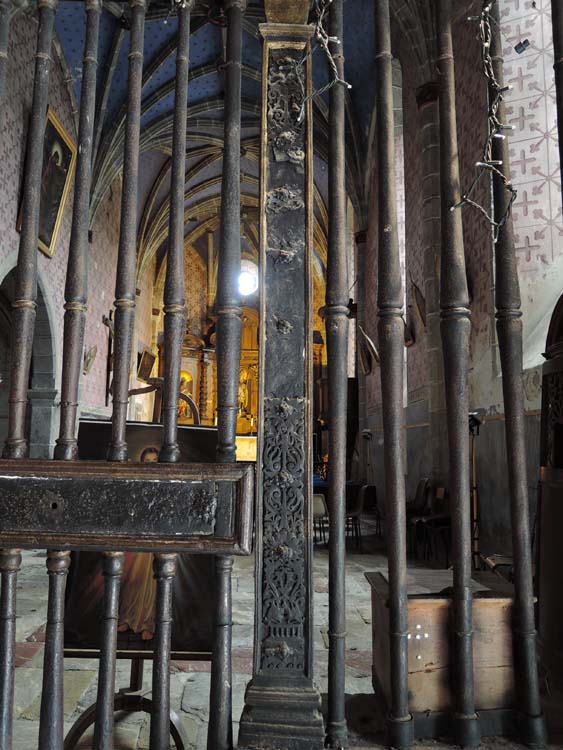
{"x":495,"y":128}
{"x":322,"y":41}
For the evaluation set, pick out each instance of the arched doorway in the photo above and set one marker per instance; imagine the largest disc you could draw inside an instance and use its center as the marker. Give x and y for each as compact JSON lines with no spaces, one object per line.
{"x":40,"y":422}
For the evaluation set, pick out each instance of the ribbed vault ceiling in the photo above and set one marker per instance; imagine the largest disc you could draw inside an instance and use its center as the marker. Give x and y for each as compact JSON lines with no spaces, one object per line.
{"x":205,"y":116}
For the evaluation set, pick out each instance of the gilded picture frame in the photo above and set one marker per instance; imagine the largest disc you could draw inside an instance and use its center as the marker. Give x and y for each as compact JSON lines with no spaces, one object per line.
{"x":59,"y":160}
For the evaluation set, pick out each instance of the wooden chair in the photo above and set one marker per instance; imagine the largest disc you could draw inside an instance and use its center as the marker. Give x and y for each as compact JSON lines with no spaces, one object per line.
{"x":370,"y":504}
{"x":437,"y":527}
{"x":354,"y":510}
{"x":417,"y":511}
{"x":320,"y":518}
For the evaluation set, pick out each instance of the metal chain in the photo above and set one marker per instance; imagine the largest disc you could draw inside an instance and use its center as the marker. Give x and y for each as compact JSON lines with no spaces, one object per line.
{"x":495,"y":127}
{"x":322,"y":41}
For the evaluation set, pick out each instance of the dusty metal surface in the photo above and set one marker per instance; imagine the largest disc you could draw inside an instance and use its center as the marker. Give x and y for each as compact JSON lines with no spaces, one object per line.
{"x":531,"y":729}
{"x":336,"y":316}
{"x":391,"y":343}
{"x":282,"y":706}
{"x":76,"y":289}
{"x":24,"y":304}
{"x":88,"y":505}
{"x":127,"y":253}
{"x":455,"y":326}
{"x":175,"y":287}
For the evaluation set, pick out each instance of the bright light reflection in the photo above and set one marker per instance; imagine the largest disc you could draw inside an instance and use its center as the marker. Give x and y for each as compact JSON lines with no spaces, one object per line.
{"x":247,"y":283}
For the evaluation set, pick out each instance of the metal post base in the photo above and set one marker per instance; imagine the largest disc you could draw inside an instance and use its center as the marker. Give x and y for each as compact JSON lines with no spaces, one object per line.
{"x":285,"y":717}
{"x":466,"y":730}
{"x":531,"y":731}
{"x":400,"y":734}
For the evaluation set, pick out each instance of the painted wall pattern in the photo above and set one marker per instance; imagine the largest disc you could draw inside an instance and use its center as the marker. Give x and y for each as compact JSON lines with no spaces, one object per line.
{"x":534,"y":158}
{"x":14,"y":116}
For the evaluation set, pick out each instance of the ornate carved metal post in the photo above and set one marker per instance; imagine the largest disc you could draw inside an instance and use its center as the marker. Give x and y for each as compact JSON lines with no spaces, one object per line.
{"x":531,"y":727}
{"x":391,"y":343}
{"x":24,"y":304}
{"x":282,"y":706}
{"x":76,"y":290}
{"x":229,"y":330}
{"x":557,"y":26}
{"x":336,"y":313}
{"x":456,"y":328}
{"x":127,"y":255}
{"x":174,"y":289}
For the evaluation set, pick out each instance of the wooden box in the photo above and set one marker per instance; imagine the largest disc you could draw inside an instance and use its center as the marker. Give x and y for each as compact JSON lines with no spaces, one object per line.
{"x":429,"y":613}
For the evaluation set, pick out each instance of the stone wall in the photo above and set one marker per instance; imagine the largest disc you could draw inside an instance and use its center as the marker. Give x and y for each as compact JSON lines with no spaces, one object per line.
{"x":47,"y":365}
{"x":539,"y":227}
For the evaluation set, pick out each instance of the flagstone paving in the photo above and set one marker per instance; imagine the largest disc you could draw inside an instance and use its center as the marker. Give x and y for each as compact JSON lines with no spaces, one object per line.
{"x":190,"y":680}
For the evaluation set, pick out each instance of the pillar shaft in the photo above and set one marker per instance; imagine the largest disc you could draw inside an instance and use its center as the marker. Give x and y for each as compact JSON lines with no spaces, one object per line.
{"x":429,"y":119}
{"x":455,"y":327}
{"x":282,"y":707}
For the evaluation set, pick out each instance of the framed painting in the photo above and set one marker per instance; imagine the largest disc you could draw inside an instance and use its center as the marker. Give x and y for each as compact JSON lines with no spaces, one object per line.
{"x":59,"y":157}
{"x":193,"y":599}
{"x":146,"y":360}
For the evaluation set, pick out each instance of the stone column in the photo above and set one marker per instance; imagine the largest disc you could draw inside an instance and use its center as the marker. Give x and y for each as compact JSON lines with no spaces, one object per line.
{"x":361,"y":240}
{"x":427,"y":98}
{"x":282,"y":707}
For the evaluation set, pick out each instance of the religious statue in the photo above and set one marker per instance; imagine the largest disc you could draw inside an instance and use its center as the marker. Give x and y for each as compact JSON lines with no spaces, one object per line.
{"x":186,"y":387}
{"x":243,"y":392}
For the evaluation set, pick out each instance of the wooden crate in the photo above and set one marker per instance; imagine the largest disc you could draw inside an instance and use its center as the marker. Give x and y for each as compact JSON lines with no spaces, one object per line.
{"x":429,"y":615}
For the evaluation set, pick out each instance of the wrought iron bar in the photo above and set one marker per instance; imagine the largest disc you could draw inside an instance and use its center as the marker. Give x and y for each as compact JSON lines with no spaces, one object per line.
{"x":5,"y":17}
{"x":455,"y":328}
{"x":127,"y":254}
{"x":174,"y":289}
{"x":10,"y":561}
{"x":531,"y":724}
{"x":336,"y":315}
{"x":76,"y":290}
{"x":51,"y":715}
{"x":391,"y":342}
{"x":557,"y":27}
{"x":164,"y":572}
{"x":229,"y":322}
{"x":220,"y":733}
{"x":112,"y":566}
{"x":229,"y":330}
{"x":24,"y":304}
